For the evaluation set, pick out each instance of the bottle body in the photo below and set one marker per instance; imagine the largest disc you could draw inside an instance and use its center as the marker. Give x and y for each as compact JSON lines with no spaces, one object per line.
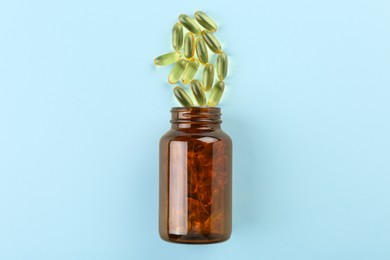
{"x":195,"y":200}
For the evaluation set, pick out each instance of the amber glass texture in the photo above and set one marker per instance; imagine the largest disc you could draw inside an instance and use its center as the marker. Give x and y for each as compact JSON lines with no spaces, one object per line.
{"x":195,"y":193}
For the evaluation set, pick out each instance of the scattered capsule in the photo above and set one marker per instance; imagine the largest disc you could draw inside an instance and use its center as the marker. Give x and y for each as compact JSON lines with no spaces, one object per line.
{"x":177,"y":71}
{"x":189,"y":45}
{"x":190,"y":71}
{"x":204,"y":20}
{"x":182,"y":96}
{"x":222,"y":65}
{"x":211,"y":41}
{"x":208,"y":77}
{"x":167,"y":58}
{"x":189,"y":23}
{"x":177,"y":36}
{"x":216,"y":93}
{"x":199,"y":95}
{"x":201,"y":51}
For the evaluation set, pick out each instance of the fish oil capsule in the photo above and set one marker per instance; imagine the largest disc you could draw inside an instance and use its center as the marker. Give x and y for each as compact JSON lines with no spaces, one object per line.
{"x":206,"y":22}
{"x":177,"y":71}
{"x":182,"y":96}
{"x":216,"y":93}
{"x":208,"y":77}
{"x":190,"y":71}
{"x":211,"y":41}
{"x":222,"y":65}
{"x":199,"y":95}
{"x":167,"y":58}
{"x":189,"y":45}
{"x":201,"y":51}
{"x":189,"y":23}
{"x":177,"y":36}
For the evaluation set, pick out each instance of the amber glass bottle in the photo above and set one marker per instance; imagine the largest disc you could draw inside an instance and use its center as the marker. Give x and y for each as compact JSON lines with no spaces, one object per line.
{"x":195,"y":178}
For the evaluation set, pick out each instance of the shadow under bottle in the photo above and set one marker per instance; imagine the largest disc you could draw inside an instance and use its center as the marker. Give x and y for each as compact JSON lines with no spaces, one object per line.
{"x":195,"y":197}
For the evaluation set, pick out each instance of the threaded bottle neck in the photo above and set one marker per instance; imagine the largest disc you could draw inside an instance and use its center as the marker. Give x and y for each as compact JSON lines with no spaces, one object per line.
{"x":204,"y":118}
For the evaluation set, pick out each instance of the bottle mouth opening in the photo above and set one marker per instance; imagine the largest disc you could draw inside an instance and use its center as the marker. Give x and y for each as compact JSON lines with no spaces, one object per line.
{"x":196,"y":115}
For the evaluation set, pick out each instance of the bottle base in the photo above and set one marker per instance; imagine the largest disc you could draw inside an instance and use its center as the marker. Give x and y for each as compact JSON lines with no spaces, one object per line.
{"x":196,"y":239}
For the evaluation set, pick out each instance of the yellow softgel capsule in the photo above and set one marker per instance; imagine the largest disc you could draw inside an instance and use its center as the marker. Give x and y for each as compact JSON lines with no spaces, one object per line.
{"x":189,"y":23}
{"x":222,"y":65}
{"x":201,"y":51}
{"x":206,"y":22}
{"x":198,"y":93}
{"x":167,"y":58}
{"x":208,"y":77}
{"x":189,"y":45}
{"x":177,"y":36}
{"x":216,"y":93}
{"x":211,"y":41}
{"x":190,"y":71}
{"x":177,"y":71}
{"x":182,"y":96}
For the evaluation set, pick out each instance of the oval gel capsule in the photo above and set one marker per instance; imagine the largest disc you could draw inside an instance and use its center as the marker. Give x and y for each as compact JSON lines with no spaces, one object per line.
{"x":182,"y":96}
{"x":222,"y":65}
{"x":201,"y":51}
{"x":206,"y":22}
{"x":198,"y":93}
{"x":189,"y":23}
{"x":216,"y":93}
{"x":208,"y":77}
{"x":189,"y":46}
{"x":190,"y":71}
{"x":177,"y":71}
{"x":211,"y":41}
{"x":167,"y":58}
{"x":177,"y":36}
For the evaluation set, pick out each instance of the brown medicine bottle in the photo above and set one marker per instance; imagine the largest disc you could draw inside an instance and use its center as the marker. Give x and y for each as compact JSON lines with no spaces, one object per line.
{"x":195,"y":197}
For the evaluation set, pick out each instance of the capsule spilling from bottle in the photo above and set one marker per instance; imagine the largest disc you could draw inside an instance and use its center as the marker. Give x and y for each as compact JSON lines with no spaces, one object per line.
{"x":216,"y":93}
{"x":182,"y":96}
{"x":197,"y":91}
{"x":195,"y":44}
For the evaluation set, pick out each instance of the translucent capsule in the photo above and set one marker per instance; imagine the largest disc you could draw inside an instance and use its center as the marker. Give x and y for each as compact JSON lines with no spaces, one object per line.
{"x":177,"y":36}
{"x":182,"y":96}
{"x":222,"y":65}
{"x":216,"y":93}
{"x":201,"y":51}
{"x":206,"y":22}
{"x":211,"y":41}
{"x":190,"y":71}
{"x":199,"y":95}
{"x":208,"y":77}
{"x":189,"y":45}
{"x":167,"y":58}
{"x":177,"y":71}
{"x":189,"y":23}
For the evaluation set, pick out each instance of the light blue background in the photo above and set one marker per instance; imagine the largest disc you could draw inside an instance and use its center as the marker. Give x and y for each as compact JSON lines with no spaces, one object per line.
{"x":82,"y":109}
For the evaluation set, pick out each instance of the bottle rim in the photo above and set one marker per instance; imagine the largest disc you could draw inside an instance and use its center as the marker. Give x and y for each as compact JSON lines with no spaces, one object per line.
{"x":196,"y":115}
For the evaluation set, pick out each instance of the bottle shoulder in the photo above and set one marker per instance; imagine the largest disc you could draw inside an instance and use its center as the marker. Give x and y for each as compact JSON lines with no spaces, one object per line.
{"x":216,"y":135}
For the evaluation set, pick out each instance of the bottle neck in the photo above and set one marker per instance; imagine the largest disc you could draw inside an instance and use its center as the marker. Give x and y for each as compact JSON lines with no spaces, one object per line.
{"x":200,"y":118}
